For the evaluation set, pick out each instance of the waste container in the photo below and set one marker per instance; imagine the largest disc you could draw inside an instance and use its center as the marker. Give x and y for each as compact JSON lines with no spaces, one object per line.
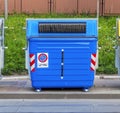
{"x":1,"y":44}
{"x":61,"y":53}
{"x":117,"y":54}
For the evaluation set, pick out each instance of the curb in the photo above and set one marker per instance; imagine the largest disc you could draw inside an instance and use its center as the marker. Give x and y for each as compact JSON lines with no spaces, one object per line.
{"x":25,"y":77}
{"x":58,"y":96}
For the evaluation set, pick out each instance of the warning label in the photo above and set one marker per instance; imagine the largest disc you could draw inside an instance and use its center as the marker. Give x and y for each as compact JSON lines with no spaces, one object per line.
{"x":42,"y":60}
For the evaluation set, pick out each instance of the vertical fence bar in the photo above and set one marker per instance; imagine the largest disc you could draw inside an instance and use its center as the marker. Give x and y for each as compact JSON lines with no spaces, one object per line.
{"x":21,"y":3}
{"x":6,"y":8}
{"x":50,"y":6}
{"x":77,"y":6}
{"x":98,"y":9}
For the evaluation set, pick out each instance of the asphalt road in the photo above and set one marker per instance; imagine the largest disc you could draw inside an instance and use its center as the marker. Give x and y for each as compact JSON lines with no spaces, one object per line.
{"x":60,"y":106}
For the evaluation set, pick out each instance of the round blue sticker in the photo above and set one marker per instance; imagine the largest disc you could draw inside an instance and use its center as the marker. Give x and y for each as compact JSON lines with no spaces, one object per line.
{"x":42,"y":57}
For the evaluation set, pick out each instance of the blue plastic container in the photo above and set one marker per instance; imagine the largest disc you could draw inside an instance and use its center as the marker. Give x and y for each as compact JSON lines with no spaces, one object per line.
{"x":61,"y":59}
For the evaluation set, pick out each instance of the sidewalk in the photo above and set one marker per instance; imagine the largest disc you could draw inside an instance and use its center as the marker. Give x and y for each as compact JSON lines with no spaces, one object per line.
{"x":105,"y":87}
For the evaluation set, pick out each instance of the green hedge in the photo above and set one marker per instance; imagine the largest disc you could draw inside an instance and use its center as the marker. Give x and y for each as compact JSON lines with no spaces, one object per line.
{"x":107,"y":42}
{"x":15,"y":40}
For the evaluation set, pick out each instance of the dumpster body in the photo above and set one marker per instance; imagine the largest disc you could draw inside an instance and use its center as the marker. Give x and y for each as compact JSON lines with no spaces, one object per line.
{"x":61,"y":52}
{"x":1,"y":44}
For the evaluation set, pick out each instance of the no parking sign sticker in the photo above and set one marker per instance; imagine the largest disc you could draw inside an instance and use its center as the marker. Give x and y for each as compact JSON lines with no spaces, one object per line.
{"x":42,"y":60}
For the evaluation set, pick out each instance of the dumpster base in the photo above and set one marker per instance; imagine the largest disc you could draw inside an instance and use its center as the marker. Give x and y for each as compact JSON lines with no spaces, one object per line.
{"x":85,"y":85}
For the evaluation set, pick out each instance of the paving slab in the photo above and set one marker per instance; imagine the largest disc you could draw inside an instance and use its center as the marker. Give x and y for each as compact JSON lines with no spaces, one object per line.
{"x":19,"y":87}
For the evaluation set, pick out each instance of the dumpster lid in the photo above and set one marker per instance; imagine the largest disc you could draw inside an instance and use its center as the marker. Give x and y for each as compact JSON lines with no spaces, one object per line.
{"x":45,"y":28}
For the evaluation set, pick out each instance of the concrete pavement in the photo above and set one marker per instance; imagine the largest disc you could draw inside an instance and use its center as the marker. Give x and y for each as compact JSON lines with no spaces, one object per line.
{"x":106,"y":87}
{"x":59,"y":106}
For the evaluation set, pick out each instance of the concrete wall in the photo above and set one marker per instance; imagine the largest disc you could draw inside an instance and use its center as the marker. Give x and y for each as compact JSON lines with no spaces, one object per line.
{"x":107,"y":7}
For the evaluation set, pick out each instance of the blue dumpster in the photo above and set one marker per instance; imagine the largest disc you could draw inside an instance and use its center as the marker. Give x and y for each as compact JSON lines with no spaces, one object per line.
{"x":61,"y":53}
